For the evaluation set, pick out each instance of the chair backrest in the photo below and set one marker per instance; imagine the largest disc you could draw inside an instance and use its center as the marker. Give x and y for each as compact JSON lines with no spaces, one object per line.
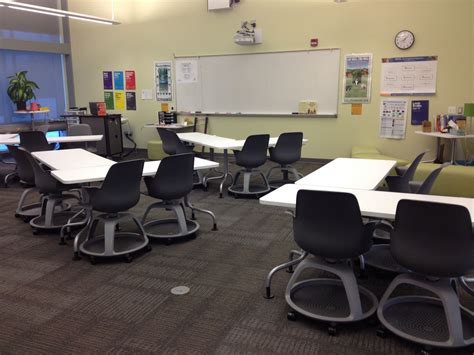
{"x":43,"y":179}
{"x":410,"y":172}
{"x":329,"y":224}
{"x":428,"y":183}
{"x":434,"y":239}
{"x":170,"y":142}
{"x":23,"y":166}
{"x":79,"y":130}
{"x":34,"y":141}
{"x":254,"y":151}
{"x":288,"y":148}
{"x":173,"y":179}
{"x":120,"y":190}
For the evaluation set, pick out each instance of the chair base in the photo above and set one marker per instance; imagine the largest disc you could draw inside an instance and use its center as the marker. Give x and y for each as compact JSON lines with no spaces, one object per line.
{"x":124,"y":243}
{"x":285,"y":170}
{"x":380,"y":257}
{"x":58,"y":220}
{"x":169,"y":229}
{"x":438,"y":322}
{"x":415,"y":317}
{"x":113,"y":243}
{"x":326,"y":300}
{"x":245,"y":188}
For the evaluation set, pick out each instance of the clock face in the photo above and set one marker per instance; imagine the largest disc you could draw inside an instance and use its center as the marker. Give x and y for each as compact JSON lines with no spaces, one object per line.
{"x":404,"y":39}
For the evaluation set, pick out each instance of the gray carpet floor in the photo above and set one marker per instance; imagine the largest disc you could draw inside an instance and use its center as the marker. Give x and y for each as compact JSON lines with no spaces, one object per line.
{"x":50,"y":304}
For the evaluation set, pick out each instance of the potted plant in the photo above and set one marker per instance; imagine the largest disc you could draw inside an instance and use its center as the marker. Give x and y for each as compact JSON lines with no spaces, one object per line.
{"x":20,"y":89}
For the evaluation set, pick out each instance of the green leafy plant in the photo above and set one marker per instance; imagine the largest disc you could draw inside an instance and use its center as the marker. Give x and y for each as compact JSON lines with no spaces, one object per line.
{"x":20,"y":89}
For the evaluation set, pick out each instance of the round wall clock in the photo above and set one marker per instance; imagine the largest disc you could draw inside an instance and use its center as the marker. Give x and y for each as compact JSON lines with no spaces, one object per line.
{"x":404,"y":39}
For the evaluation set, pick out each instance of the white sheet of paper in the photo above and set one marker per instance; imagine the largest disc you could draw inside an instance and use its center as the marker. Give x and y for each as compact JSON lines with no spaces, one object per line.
{"x":147,"y":94}
{"x":393,"y":118}
{"x":186,"y":71}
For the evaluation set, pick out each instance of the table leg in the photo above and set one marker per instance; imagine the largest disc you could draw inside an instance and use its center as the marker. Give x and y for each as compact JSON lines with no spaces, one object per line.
{"x":226,"y":173}
{"x":453,"y":151}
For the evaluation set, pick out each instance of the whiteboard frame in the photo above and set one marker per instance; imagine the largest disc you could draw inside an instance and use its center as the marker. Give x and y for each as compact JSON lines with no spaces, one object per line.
{"x":260,"y":114}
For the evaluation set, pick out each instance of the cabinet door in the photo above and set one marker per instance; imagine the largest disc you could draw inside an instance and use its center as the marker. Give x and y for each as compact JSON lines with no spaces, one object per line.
{"x":97,"y":125}
{"x":114,"y":128}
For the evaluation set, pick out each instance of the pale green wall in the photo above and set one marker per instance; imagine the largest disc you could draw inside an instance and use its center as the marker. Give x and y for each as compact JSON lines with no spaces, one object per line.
{"x":157,"y":29}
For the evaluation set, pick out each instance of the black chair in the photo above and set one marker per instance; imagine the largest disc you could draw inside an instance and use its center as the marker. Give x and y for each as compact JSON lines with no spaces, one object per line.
{"x":379,"y":256}
{"x":172,"y":145}
{"x":287,"y":151}
{"x":27,"y":178}
{"x":251,"y":157}
{"x":80,"y":130}
{"x":171,"y":184}
{"x":9,"y":160}
{"x":34,"y":141}
{"x":435,"y":241}
{"x":328,"y":227}
{"x":401,"y":183}
{"x":55,"y":211}
{"x":119,"y":192}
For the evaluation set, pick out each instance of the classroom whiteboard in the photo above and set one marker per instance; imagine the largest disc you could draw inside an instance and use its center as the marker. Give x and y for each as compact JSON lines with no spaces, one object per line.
{"x":262,"y":83}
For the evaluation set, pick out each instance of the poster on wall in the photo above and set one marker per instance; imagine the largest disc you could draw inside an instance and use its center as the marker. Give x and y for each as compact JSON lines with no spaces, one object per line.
{"x":357,"y":78}
{"x":130,"y":83}
{"x":163,"y":81}
{"x":393,"y":118}
{"x":109,"y":100}
{"x":408,"y":76}
{"x":419,"y":112}
{"x":119,"y":100}
{"x":186,"y":71}
{"x":118,"y":80}
{"x":107,"y":79}
{"x":131,"y":100}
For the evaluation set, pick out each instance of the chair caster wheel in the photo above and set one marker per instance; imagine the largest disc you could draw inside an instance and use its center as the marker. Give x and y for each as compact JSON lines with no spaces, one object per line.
{"x":128,"y":258}
{"x":35,"y":232}
{"x":381,"y":332}
{"x":62,"y":242}
{"x":291,"y":316}
{"x":168,"y":241}
{"x":25,"y":219}
{"x":214,"y":227}
{"x":148,"y":248}
{"x":76,"y":257}
{"x":92,"y":260}
{"x":425,"y":351}
{"x":290,"y":269}
{"x":332,"y":331}
{"x":17,"y":215}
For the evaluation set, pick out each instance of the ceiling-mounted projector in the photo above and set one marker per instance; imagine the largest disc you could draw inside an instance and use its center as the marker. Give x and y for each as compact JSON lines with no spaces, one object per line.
{"x":248,"y":34}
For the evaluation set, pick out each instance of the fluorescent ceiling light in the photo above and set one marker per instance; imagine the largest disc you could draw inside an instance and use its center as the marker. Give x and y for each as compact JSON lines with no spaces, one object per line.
{"x":56,"y":12}
{"x":37,"y":11}
{"x":104,"y":22}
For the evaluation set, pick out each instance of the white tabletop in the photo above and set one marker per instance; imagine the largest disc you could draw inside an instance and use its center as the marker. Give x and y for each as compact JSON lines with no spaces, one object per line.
{"x":65,"y":159}
{"x":98,"y":173}
{"x":217,"y":142}
{"x":167,"y":126}
{"x":444,"y":135}
{"x":15,"y":139}
{"x":377,"y":204}
{"x":351,"y":173}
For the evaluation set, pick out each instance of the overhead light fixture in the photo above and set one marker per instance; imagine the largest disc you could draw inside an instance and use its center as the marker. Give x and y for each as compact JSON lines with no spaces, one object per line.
{"x":36,"y":11}
{"x":56,"y":12}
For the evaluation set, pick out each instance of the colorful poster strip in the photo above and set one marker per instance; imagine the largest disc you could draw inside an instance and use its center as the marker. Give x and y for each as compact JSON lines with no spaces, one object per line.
{"x":131,"y":100}
{"x":118,"y":80}
{"x":130,"y":83}
{"x":109,"y":100}
{"x":107,"y":79}
{"x":119,"y":100}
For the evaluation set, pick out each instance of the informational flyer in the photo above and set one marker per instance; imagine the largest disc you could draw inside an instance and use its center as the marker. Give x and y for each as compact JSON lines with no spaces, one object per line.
{"x":357,"y":78}
{"x":419,"y":111}
{"x":130,"y":83}
{"x":393,"y":118}
{"x":119,"y":100}
{"x":107,"y":79}
{"x":163,"y":81}
{"x":186,"y":71}
{"x":408,"y":76}
{"x":131,"y":100}
{"x":118,"y":80}
{"x":109,"y":100}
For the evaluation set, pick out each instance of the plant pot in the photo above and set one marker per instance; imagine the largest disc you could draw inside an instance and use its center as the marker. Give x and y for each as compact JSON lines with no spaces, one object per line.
{"x":21,"y":106}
